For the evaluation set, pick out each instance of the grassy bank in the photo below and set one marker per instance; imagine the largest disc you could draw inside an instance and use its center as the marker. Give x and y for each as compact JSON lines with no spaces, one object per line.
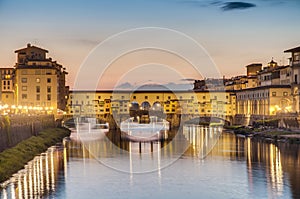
{"x":14,"y":159}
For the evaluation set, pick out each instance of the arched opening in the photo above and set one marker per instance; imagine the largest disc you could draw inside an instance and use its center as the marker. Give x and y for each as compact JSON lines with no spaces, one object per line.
{"x":157,"y":106}
{"x":145,"y":106}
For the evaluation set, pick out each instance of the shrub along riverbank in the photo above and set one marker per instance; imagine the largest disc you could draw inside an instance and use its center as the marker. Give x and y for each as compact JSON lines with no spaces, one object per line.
{"x":14,"y":159}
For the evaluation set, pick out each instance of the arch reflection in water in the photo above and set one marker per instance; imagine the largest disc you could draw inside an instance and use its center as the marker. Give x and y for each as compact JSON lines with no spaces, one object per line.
{"x":202,"y":138}
{"x":39,"y":177}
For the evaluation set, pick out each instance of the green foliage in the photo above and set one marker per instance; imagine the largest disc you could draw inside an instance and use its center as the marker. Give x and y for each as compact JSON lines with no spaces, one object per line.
{"x":14,"y":159}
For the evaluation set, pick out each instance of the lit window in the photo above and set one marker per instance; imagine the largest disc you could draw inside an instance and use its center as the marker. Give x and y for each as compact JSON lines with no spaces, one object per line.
{"x":38,"y":80}
{"x":24,"y":80}
{"x":273,"y":94}
{"x":24,"y":88}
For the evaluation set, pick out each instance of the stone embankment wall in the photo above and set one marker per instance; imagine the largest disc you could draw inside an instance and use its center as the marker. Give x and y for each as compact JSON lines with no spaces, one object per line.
{"x":16,"y":128}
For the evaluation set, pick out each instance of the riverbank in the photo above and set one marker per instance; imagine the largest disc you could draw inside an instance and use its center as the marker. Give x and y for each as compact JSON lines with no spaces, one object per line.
{"x":268,"y":134}
{"x":14,"y":159}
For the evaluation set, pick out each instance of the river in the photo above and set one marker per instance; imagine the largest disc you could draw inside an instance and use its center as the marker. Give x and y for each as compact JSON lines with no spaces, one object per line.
{"x":230,"y":167}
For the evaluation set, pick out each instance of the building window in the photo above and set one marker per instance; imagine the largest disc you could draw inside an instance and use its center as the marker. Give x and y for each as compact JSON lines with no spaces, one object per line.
{"x":99,"y":97}
{"x":38,"y":89}
{"x":169,"y":97}
{"x":38,"y":80}
{"x":24,"y":80}
{"x":285,"y":93}
{"x":24,"y":72}
{"x":24,"y":88}
{"x":134,"y":97}
{"x":157,"y":97}
{"x":49,"y":97}
{"x":24,"y":96}
{"x":37,"y":72}
{"x":146,"y":97}
{"x":38,"y":97}
{"x":273,"y":94}
{"x":48,"y":80}
{"x":48,"y":89}
{"x":122,"y":97}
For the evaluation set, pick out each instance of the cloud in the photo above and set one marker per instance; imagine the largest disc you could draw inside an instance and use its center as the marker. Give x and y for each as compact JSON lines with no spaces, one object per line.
{"x":194,"y":3}
{"x":237,"y":6}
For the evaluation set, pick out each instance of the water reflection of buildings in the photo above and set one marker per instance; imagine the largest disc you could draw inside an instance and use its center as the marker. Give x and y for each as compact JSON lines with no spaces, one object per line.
{"x":38,"y":178}
{"x":266,"y":161}
{"x":202,"y":139}
{"x":270,"y":167}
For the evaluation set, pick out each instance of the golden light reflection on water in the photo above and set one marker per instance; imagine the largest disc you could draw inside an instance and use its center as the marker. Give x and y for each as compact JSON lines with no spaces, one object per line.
{"x":278,"y":163}
{"x":39,"y":175}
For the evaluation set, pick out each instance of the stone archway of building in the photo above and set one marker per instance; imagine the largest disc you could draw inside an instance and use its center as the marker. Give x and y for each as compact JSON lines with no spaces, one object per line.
{"x":145,"y":105}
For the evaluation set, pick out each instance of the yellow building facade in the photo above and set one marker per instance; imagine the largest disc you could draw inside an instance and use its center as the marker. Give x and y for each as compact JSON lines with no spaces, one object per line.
{"x":39,"y":82}
{"x":7,"y":86}
{"x":200,"y":103}
{"x":265,"y":100}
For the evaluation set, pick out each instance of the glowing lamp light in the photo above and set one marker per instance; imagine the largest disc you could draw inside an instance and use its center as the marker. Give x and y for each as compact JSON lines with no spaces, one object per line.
{"x":13,"y":106}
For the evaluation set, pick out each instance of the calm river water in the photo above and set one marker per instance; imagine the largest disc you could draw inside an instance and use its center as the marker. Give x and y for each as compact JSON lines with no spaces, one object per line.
{"x":235,"y":168}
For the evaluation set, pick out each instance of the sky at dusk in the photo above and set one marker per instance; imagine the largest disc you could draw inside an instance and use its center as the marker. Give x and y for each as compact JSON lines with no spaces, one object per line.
{"x":233,"y":34}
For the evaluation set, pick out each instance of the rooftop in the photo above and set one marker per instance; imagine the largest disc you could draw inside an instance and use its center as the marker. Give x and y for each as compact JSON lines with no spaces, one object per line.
{"x":30,"y":46}
{"x":292,"y":50}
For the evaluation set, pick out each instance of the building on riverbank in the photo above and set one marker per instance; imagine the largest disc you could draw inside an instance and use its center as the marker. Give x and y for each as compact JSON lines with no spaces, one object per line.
{"x":36,"y":82}
{"x":193,"y":103}
{"x":7,"y":86}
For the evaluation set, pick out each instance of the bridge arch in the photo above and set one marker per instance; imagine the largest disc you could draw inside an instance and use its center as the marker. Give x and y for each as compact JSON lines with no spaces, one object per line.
{"x":145,"y":105}
{"x":157,"y":106}
{"x":134,"y":106}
